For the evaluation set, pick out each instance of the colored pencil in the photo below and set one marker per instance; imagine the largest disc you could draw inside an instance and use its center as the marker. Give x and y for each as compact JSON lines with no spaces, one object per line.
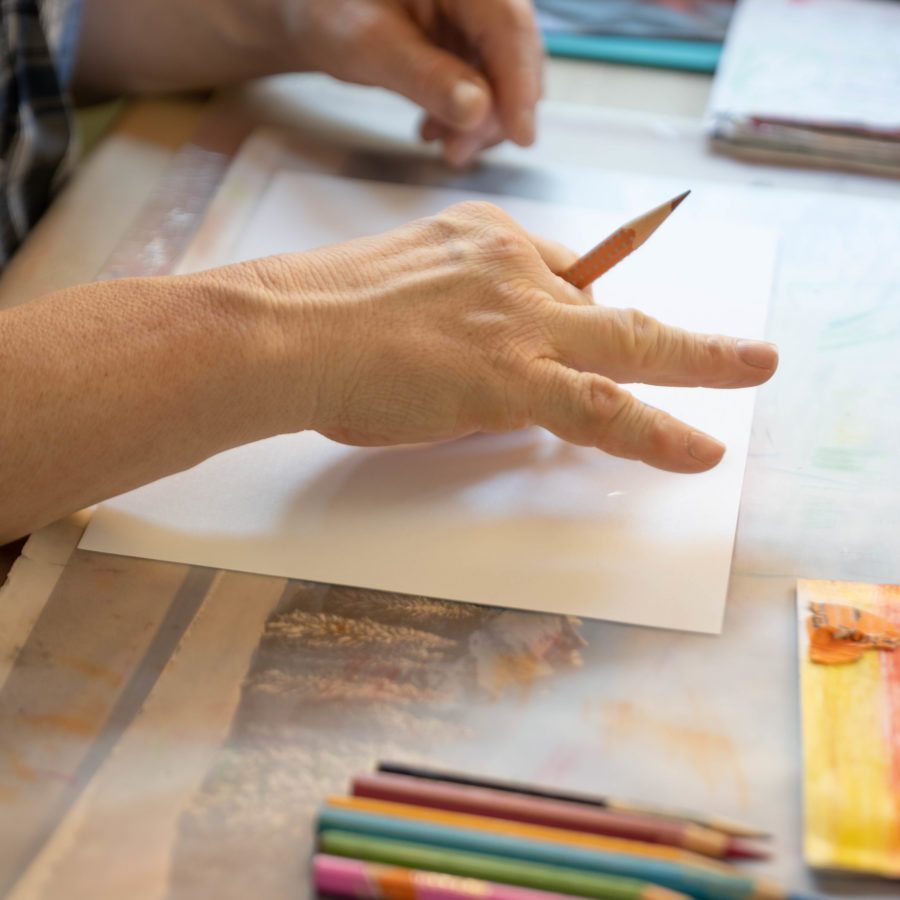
{"x":702,"y":883}
{"x":525,"y":830}
{"x":553,"y":813}
{"x":619,"y":244}
{"x":491,"y":868}
{"x":717,"y":823}
{"x":344,"y":877}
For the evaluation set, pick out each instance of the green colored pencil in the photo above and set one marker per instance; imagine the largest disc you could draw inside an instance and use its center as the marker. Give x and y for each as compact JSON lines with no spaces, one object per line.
{"x":704,"y":882}
{"x":492,"y":868}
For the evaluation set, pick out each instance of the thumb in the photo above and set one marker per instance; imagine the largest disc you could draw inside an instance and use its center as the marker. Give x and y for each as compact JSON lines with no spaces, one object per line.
{"x":444,"y":86}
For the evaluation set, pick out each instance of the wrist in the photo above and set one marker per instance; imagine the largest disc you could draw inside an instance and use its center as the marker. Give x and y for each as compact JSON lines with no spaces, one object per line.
{"x":268,"y":340}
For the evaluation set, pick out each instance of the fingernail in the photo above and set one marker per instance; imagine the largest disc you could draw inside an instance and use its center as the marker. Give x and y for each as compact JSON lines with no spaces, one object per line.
{"x":704,"y":448}
{"x":760,"y":354}
{"x":468,"y":100}
{"x":525,"y":128}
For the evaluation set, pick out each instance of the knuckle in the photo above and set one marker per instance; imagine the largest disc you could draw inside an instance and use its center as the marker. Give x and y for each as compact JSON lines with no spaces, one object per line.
{"x":587,"y":396}
{"x":444,"y":226}
{"x":657,"y":437}
{"x":605,"y":398}
{"x":479,"y":210}
{"x":619,"y":424}
{"x":643,"y":335}
{"x":716,"y":349}
{"x":499,"y":242}
{"x":466,"y":218}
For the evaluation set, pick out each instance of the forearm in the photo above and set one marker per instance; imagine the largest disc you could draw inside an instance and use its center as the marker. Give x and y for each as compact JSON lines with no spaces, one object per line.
{"x":141,"y":46}
{"x":107,"y":386}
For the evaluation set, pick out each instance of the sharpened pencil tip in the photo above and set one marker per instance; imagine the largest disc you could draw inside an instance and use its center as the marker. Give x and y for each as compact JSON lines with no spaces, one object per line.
{"x":678,"y":199}
{"x":741,"y":850}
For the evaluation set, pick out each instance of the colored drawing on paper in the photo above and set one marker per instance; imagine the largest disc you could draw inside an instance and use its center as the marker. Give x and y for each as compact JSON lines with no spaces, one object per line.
{"x":851,"y":727}
{"x":840,"y":633}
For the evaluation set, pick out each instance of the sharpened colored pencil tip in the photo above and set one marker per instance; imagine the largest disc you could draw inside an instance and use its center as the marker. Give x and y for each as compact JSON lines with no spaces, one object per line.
{"x":740,"y":850}
{"x":678,"y":199}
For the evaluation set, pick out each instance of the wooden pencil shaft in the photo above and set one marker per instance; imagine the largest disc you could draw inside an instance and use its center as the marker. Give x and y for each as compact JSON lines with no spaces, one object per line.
{"x":528,"y":830}
{"x":540,"y":811}
{"x":736,"y":829}
{"x":618,"y":245}
{"x":490,"y":868}
{"x":697,"y":882}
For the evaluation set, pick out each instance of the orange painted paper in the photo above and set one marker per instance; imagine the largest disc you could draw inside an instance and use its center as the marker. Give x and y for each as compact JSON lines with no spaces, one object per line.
{"x":839,"y":633}
{"x":851,"y":740}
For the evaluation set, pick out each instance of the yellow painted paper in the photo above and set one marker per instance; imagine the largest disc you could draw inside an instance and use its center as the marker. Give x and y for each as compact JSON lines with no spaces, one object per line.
{"x":851,"y":741}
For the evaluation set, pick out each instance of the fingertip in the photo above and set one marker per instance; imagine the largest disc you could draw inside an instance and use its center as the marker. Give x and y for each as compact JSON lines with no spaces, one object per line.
{"x":470,"y":103}
{"x":524,"y":129}
{"x":704,"y":449}
{"x":758,"y":354}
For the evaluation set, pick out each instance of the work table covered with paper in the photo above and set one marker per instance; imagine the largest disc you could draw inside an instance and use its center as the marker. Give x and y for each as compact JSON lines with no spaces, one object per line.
{"x":236,"y":701}
{"x":520,"y":521}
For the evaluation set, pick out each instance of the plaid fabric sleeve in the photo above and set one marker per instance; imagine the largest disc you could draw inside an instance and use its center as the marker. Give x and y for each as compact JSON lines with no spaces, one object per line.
{"x":37,"y":46}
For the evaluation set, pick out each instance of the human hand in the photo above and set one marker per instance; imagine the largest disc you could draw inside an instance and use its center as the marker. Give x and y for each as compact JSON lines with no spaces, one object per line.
{"x":473,"y":66}
{"x":457,"y":324}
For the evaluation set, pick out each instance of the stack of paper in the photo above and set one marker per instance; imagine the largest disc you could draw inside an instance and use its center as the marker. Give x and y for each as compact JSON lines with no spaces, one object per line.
{"x":700,"y":20}
{"x":813,"y":83}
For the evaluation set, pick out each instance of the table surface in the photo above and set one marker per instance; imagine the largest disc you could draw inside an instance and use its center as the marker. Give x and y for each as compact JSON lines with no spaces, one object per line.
{"x":168,"y":730}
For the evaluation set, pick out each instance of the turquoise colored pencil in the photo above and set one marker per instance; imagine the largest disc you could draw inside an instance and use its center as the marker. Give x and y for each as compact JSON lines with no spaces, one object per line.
{"x":492,"y":868}
{"x":701,"y":883}
{"x":693,"y":56}
{"x":541,"y":810}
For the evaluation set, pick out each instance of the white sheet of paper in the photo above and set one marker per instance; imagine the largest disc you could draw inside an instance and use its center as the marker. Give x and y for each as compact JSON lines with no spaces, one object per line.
{"x":522,"y":520}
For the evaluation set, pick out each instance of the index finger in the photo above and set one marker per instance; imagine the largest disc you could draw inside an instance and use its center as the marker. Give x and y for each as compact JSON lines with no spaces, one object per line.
{"x":506,"y":36}
{"x":629,"y":346}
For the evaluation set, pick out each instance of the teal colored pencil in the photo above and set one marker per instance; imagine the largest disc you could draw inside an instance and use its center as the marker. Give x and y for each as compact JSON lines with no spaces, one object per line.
{"x":694,"y":56}
{"x":694,"y":881}
{"x":491,"y":868}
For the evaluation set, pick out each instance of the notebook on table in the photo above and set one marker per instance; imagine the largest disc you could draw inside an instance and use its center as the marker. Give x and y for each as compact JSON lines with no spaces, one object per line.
{"x":812,"y":83}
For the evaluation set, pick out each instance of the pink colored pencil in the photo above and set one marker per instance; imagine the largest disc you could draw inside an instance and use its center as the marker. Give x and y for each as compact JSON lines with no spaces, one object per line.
{"x":345,"y":877}
{"x":553,"y":813}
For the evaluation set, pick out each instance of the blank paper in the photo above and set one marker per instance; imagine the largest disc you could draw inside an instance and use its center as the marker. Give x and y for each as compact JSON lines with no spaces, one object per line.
{"x":520,"y":520}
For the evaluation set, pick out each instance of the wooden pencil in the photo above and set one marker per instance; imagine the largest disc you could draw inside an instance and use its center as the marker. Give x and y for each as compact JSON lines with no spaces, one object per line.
{"x":525,"y":830}
{"x":491,"y":868}
{"x":701,"y":882}
{"x":341,"y":876}
{"x":553,"y":813}
{"x":717,"y":823}
{"x":618,"y":245}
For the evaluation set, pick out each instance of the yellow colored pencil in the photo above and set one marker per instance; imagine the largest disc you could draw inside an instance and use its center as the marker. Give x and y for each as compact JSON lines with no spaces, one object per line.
{"x":618,"y":245}
{"x":523,"y":830}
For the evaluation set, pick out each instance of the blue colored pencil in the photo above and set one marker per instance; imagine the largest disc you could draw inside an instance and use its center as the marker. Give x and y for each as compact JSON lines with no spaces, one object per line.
{"x":699,"y":882}
{"x":496,"y":869}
